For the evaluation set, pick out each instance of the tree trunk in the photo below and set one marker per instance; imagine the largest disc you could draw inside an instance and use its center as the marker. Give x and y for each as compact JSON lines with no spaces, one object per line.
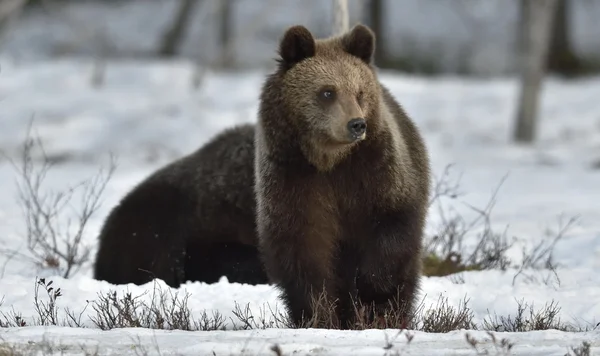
{"x":341,"y":17}
{"x":173,"y":37}
{"x":225,"y":32}
{"x":537,"y":24}
{"x":522,"y":30}
{"x":9,"y":10}
{"x":375,"y":11}
{"x":8,"y":7}
{"x":561,"y":58}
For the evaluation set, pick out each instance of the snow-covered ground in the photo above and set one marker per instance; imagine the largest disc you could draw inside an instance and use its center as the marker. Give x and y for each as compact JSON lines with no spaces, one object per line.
{"x":147,"y":114}
{"x":296,"y":342}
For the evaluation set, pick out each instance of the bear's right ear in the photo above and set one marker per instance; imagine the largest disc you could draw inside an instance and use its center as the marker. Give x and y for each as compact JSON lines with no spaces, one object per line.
{"x":297,"y":44}
{"x":360,"y":42}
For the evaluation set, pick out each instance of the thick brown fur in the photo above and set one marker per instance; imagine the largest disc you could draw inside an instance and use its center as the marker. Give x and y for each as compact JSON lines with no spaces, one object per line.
{"x":334,"y":214}
{"x":192,"y":220}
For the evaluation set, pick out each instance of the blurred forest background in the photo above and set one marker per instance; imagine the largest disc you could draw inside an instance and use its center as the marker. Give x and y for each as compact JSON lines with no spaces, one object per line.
{"x":484,"y":39}
{"x":464,"y":37}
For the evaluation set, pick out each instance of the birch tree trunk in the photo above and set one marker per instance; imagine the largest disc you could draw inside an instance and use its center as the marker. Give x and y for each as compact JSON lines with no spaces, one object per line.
{"x":341,"y":17}
{"x":537,"y":20}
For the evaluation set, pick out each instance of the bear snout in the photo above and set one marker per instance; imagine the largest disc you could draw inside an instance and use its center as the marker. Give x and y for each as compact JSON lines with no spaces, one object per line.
{"x":357,"y":128}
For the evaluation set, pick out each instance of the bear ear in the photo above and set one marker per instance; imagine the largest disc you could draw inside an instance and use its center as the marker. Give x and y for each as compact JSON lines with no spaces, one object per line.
{"x":297,"y":44}
{"x":360,"y":42}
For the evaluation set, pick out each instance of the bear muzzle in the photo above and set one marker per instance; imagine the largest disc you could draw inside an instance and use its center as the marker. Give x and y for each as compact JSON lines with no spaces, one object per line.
{"x":357,"y":129}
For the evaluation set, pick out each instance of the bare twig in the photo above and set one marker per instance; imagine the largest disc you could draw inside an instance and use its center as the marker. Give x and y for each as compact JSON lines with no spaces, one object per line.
{"x":47,"y":312}
{"x":51,"y":244}
{"x":445,"y":253}
{"x":541,"y":256}
{"x":444,"y":187}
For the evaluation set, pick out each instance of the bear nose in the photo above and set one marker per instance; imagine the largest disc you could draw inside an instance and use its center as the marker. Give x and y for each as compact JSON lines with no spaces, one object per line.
{"x":357,"y":127}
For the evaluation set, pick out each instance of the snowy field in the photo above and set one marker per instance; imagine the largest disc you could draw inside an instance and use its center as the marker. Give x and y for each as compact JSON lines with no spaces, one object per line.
{"x":147,"y":114}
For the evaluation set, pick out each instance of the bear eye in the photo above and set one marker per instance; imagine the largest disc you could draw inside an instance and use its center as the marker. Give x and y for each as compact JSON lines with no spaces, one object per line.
{"x":327,"y":94}
{"x":359,"y":97}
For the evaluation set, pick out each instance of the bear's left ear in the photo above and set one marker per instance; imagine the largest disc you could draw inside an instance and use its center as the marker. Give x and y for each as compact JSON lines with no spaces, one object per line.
{"x":360,"y":42}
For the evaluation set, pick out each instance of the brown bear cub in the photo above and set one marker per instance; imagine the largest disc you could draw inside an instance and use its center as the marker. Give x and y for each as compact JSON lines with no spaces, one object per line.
{"x":192,"y":220}
{"x":342,"y":180}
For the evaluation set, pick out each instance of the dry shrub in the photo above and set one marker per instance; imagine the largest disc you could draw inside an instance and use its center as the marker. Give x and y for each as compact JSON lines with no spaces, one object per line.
{"x":54,"y":241}
{"x":528,"y":319}
{"x":249,"y":321}
{"x":585,"y":349}
{"x":165,"y":311}
{"x":541,"y":256}
{"x":45,"y":306}
{"x":502,"y":346}
{"x":445,"y":253}
{"x":12,"y":319}
{"x":47,"y":311}
{"x":444,"y":318}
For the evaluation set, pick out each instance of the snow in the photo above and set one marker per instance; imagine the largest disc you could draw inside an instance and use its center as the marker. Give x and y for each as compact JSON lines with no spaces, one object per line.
{"x":148,"y":114}
{"x":297,"y":342}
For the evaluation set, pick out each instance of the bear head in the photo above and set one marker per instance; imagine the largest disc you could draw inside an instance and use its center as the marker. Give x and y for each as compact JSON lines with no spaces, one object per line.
{"x":329,"y":90}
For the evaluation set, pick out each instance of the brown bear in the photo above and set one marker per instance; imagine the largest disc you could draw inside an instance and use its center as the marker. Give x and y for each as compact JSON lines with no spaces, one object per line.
{"x":342,"y":180}
{"x":192,"y":220}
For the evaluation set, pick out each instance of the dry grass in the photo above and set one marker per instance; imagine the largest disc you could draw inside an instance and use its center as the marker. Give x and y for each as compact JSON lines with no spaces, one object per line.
{"x":365,"y":316}
{"x":10,"y":319}
{"x":271,"y":318}
{"x":166,"y":310}
{"x":527,"y":318}
{"x":43,"y":348}
{"x":170,"y":311}
{"x":445,"y":318}
{"x":502,"y":346}
{"x":585,"y":349}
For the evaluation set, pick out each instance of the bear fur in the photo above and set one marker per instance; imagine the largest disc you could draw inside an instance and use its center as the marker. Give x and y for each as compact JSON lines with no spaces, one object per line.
{"x":192,"y":220}
{"x":340,"y":210}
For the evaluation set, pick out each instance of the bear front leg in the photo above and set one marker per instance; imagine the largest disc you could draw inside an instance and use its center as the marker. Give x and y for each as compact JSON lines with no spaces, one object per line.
{"x":347,"y":274}
{"x":297,"y":241}
{"x":302,"y":270}
{"x":390,"y":269}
